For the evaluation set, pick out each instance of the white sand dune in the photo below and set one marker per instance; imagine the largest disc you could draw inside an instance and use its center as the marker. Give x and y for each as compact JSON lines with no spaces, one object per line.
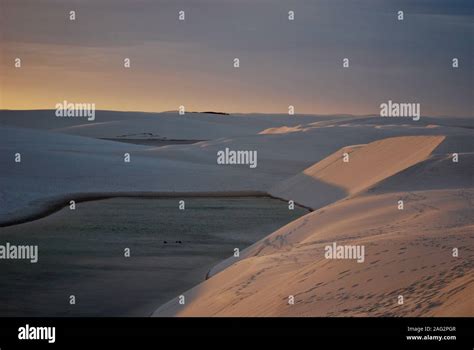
{"x":171,"y":125}
{"x":436,"y":172}
{"x":384,"y":158}
{"x":408,"y":252}
{"x":332,"y":179}
{"x":55,"y":164}
{"x":299,"y":158}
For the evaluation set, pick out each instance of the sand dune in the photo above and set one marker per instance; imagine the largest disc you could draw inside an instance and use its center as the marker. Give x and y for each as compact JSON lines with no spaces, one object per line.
{"x":409,"y":252}
{"x":432,"y":173}
{"x":171,"y":125}
{"x":72,"y":163}
{"x":332,"y":178}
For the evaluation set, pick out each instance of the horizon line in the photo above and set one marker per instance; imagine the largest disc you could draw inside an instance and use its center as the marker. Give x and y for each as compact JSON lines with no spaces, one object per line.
{"x":237,"y":113}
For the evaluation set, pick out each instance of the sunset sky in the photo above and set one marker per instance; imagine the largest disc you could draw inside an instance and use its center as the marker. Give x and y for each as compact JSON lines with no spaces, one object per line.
{"x":282,"y":62}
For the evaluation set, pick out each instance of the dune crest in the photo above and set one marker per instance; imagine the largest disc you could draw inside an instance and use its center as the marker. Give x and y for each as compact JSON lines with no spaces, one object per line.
{"x":332,"y":178}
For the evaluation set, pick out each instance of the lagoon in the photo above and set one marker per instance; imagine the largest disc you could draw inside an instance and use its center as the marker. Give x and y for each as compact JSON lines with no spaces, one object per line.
{"x":83,"y":252}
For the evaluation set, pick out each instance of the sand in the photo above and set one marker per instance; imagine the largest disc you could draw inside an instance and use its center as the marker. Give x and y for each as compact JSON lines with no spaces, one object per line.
{"x":333,"y":178}
{"x":408,"y":252}
{"x":415,"y":263}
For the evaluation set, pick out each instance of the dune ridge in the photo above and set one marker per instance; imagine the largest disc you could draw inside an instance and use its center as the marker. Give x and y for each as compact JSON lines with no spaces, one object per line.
{"x":384,"y":158}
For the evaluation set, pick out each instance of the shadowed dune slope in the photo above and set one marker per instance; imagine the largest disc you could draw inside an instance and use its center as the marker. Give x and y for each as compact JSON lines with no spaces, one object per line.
{"x":332,"y":178}
{"x":432,"y":173}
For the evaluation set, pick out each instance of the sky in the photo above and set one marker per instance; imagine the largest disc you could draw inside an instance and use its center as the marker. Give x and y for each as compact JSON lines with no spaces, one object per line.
{"x":282,"y":62}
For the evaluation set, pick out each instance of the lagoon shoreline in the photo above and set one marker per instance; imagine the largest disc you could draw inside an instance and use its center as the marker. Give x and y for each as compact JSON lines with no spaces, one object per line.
{"x":55,"y":204}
